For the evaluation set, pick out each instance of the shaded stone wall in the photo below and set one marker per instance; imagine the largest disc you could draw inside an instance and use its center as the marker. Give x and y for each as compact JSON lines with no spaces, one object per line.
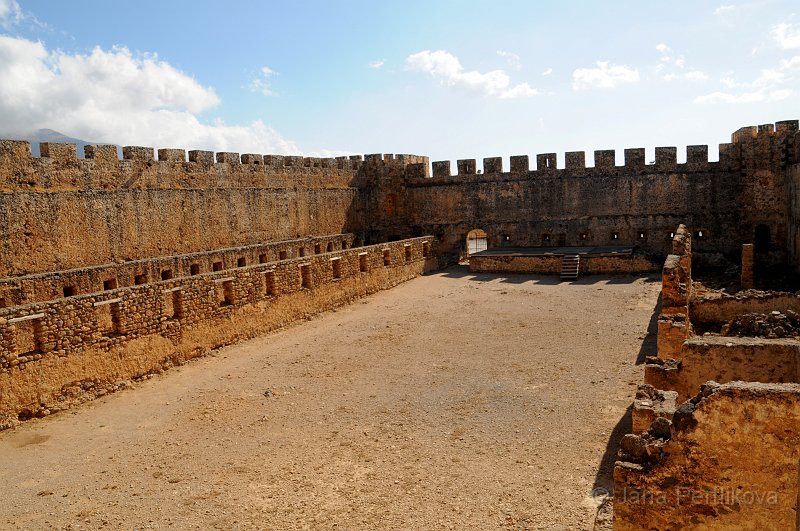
{"x":637,"y":203}
{"x":794,"y":215}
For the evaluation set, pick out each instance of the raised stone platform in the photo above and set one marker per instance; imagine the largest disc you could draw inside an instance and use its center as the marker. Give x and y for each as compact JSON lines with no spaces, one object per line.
{"x":548,"y":260}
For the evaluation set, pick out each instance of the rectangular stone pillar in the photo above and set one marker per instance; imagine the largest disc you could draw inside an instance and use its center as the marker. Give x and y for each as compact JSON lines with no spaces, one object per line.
{"x":747,"y":266}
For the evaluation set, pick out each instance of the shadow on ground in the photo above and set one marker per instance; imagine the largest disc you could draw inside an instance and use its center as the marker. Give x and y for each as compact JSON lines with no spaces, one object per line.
{"x":604,"y":480}
{"x":650,"y":344}
{"x":462,"y":271}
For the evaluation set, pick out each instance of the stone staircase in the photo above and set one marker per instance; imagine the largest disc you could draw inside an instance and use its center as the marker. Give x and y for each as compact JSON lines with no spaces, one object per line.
{"x":570,"y":264}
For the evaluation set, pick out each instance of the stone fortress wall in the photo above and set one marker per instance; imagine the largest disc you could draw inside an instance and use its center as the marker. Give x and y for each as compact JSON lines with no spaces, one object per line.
{"x":112,"y":269}
{"x":637,"y":203}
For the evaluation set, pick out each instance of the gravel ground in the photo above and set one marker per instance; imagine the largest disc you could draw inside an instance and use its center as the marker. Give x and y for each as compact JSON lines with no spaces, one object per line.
{"x":453,"y":401}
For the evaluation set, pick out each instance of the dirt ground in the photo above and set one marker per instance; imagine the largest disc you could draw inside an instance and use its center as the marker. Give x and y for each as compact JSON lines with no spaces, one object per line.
{"x":453,"y":401}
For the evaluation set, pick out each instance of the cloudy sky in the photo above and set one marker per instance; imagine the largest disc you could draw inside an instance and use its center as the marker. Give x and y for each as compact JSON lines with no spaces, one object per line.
{"x":450,"y":79}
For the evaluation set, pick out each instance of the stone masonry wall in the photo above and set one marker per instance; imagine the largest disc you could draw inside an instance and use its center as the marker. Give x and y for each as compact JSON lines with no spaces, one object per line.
{"x":60,"y":212}
{"x":57,"y":284}
{"x":794,"y":215}
{"x":589,"y":265}
{"x":728,"y":460}
{"x":55,"y":352}
{"x":637,"y":203}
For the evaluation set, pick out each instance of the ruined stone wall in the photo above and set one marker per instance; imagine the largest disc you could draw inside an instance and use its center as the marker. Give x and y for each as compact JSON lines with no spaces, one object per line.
{"x":53,"y":352}
{"x":729,"y":460}
{"x":723,"y":308}
{"x":726,"y":359}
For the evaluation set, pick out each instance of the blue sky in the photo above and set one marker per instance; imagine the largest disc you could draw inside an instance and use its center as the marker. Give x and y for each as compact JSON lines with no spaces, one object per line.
{"x":449,"y":79}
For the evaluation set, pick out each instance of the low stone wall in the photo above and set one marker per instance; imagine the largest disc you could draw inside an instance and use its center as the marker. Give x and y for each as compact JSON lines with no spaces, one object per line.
{"x":725,"y":359}
{"x":55,"y":353}
{"x":722,"y":308}
{"x":51,"y":285}
{"x":729,"y":460}
{"x":551,"y":265}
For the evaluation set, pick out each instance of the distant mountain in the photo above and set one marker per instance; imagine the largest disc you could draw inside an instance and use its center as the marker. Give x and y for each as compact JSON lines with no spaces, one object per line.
{"x":48,"y":135}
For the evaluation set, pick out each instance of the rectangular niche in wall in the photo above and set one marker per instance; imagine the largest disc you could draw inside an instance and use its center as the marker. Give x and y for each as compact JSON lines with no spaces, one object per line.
{"x":172,"y":304}
{"x":109,"y":284}
{"x":138,"y":280}
{"x":282,"y":255}
{"x":225,"y":291}
{"x":426,"y":249}
{"x":336,"y":267}
{"x":305,"y":276}
{"x":407,"y":252}
{"x":166,"y":274}
{"x":194,"y":269}
{"x":387,"y":257}
{"x":216,"y":266}
{"x":262,"y":259}
{"x":362,"y":262}
{"x":269,"y":282}
{"x":107,"y":314}
{"x":27,"y":334}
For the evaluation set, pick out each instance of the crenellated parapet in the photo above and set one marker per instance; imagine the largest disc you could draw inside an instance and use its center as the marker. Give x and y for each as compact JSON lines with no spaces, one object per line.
{"x":750,"y":148}
{"x":59,"y":168}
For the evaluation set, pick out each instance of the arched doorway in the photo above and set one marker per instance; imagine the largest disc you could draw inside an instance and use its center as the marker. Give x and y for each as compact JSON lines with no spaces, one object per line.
{"x":476,"y":241}
{"x":762,"y":239}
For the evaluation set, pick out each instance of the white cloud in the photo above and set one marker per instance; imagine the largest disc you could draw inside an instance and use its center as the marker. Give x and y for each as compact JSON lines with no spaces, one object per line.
{"x":787,"y":35}
{"x":664,"y":50}
{"x":523,"y":90}
{"x":116,"y":96}
{"x":605,"y":75}
{"x":794,"y":62}
{"x":767,"y":87}
{"x":547,"y":72}
{"x":513,"y":59}
{"x":377,"y":64}
{"x":10,"y":13}
{"x":447,"y":68}
{"x":724,"y":9}
{"x":696,"y":75}
{"x":261,"y":84}
{"x":725,"y":97}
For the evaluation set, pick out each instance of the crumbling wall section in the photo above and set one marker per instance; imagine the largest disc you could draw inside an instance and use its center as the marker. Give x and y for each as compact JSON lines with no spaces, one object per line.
{"x":728,"y":460}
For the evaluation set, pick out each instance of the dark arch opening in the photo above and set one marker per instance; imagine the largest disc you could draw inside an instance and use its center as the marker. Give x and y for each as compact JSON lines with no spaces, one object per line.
{"x":762,"y":239}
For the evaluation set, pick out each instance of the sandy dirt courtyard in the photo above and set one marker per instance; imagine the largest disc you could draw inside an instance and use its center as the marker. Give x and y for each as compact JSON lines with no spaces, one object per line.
{"x":453,"y":401}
